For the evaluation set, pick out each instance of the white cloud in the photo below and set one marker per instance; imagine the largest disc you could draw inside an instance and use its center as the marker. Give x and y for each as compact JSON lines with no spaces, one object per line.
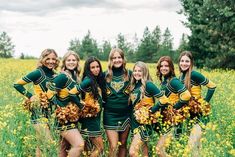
{"x":33,"y":30}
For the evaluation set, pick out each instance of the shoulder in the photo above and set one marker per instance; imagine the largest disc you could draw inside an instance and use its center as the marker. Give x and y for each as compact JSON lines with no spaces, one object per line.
{"x":198,"y":77}
{"x":37,"y":72}
{"x":152,"y":89}
{"x":86,"y":80}
{"x":62,"y":77}
{"x":150,"y":86}
{"x":175,"y":82}
{"x":33,"y":76}
{"x":176,"y":85}
{"x":196,"y":74}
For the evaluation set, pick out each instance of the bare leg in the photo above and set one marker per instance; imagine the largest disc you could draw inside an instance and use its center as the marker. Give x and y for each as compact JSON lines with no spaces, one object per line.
{"x":136,"y":144}
{"x":145,"y":150}
{"x":42,"y":133}
{"x":122,"y":149}
{"x":194,"y":140}
{"x":98,"y":146}
{"x":113,"y":142}
{"x":163,"y":142}
{"x":74,"y":137}
{"x":64,"y":147}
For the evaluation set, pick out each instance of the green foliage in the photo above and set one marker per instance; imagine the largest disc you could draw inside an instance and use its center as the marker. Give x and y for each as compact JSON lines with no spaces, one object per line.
{"x":88,"y":47}
{"x":23,"y":56}
{"x":212,"y":24}
{"x":6,"y":46}
{"x":123,"y":44}
{"x":75,"y":46}
{"x":149,"y":49}
{"x":106,"y":48}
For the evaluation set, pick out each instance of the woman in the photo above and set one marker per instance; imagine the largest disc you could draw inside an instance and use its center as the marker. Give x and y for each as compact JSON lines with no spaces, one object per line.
{"x":67,"y":112}
{"x":178,"y":96}
{"x":44,"y":73}
{"x":199,"y":105}
{"x":93,"y":93}
{"x":143,"y":93}
{"x":116,"y":108}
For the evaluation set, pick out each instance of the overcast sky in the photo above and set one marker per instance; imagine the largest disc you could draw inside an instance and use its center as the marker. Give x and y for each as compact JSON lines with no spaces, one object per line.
{"x":36,"y":25}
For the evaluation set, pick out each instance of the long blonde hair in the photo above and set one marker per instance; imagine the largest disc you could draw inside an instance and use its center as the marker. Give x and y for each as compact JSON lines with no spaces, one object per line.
{"x":77,"y":70}
{"x":145,"y":77}
{"x":109,"y":75}
{"x":187,"y":80}
{"x":43,"y":57}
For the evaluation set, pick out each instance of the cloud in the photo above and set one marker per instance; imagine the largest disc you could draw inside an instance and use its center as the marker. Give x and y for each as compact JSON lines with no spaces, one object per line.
{"x":43,"y":7}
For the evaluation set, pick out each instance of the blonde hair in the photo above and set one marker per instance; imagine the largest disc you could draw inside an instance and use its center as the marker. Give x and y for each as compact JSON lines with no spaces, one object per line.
{"x":109,"y":75}
{"x":77,"y":69}
{"x":145,"y":77}
{"x":44,"y":56}
{"x":187,"y":80}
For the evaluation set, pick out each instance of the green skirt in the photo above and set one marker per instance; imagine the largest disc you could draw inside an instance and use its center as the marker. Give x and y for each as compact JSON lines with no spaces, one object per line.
{"x":91,"y":126}
{"x":118,"y":121}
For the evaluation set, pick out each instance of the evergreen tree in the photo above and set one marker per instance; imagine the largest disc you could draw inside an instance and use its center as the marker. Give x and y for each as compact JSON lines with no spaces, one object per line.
{"x":123,"y":44}
{"x":212,"y":24}
{"x":106,"y":48}
{"x":6,"y":46}
{"x":145,"y":49}
{"x":167,"y":44}
{"x":89,"y":47}
{"x":75,"y":46}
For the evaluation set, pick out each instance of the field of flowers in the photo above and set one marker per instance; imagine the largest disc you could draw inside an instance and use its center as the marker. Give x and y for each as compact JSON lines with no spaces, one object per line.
{"x":18,"y":137}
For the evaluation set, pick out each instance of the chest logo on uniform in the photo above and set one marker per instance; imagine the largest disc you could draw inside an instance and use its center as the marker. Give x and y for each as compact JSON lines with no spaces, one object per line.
{"x":133,"y":97}
{"x":117,"y":86}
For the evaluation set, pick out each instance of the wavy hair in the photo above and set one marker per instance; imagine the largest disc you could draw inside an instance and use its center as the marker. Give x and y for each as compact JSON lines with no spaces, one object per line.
{"x":77,"y":69}
{"x":145,"y":77}
{"x":109,"y":75}
{"x":171,"y":67}
{"x":44,"y":56}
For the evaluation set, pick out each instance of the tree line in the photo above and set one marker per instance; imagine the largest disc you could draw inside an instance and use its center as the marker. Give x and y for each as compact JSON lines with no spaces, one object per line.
{"x":149,"y":48}
{"x":212,"y":39}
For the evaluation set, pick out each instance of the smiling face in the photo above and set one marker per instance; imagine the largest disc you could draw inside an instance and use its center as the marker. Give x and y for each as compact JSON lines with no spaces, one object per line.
{"x":185,"y":63}
{"x":137,"y":73}
{"x":95,"y":68}
{"x":164,"y":68}
{"x":71,"y":62}
{"x":50,"y":61}
{"x":117,"y":60}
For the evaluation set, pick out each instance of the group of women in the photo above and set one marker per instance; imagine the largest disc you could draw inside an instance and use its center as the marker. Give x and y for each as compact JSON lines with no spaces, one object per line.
{"x":118,"y":100}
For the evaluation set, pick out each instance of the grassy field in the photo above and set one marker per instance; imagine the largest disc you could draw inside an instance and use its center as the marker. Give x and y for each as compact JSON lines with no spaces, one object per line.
{"x":18,"y":137}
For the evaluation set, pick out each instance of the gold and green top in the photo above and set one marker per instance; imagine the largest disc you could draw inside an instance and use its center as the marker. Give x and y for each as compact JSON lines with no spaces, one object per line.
{"x":151,"y":94}
{"x":58,"y":91}
{"x":198,"y":80}
{"x":176,"y":91}
{"x":84,"y":86}
{"x":117,"y":92}
{"x":40,"y":78}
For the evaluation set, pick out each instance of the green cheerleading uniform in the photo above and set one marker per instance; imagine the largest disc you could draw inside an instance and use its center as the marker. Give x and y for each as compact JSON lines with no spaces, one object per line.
{"x":90,"y":126}
{"x":198,"y":80}
{"x":176,"y":91}
{"x":40,"y":77}
{"x":177,"y":94}
{"x":58,"y":94}
{"x":116,"y":113}
{"x":151,"y":92}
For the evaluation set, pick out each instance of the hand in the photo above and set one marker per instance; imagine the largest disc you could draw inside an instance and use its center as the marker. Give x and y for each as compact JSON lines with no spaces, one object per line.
{"x":33,"y":98}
